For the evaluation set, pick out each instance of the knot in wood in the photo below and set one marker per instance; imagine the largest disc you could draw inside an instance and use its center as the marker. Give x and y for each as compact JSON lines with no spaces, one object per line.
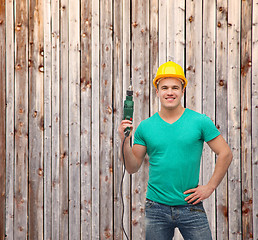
{"x":41,"y":52}
{"x":190,"y":67}
{"x":18,"y":67}
{"x":221,"y":83}
{"x":40,"y":172}
{"x":135,"y":24}
{"x":18,"y":28}
{"x":1,"y":21}
{"x":135,"y":222}
{"x":109,"y":110}
{"x":41,"y":68}
{"x":219,"y":24}
{"x":191,"y":19}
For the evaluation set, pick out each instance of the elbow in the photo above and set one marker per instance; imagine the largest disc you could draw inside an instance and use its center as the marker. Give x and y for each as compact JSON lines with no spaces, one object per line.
{"x":130,"y":171}
{"x":229,"y":156}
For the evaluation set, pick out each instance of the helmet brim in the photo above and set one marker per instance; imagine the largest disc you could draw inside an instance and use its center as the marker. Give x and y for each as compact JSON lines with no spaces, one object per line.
{"x":156,"y":79}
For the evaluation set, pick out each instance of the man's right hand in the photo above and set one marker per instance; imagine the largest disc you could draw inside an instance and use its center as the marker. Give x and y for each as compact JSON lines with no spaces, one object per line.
{"x":123,"y":125}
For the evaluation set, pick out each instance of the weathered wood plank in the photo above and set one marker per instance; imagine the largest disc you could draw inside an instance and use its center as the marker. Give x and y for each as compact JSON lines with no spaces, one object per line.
{"x":221,"y":110}
{"x":154,"y":53}
{"x":126,"y":82}
{"x":194,"y":54}
{"x":234,"y":103}
{"x":9,"y":211}
{"x":118,"y":112}
{"x":21,"y":120}
{"x":246,"y":122}
{"x":64,"y":121}
{"x":47,"y":122}
{"x":208,"y":105}
{"x":86,"y":111}
{"x":36,"y":124}
{"x":254,"y":118}
{"x":106,"y":144}
{"x":95,"y":122}
{"x":74,"y":119}
{"x":162,"y":31}
{"x":140,"y":75}
{"x":95,"y":119}
{"x":55,"y":120}
{"x":176,"y":32}
{"x":2,"y":117}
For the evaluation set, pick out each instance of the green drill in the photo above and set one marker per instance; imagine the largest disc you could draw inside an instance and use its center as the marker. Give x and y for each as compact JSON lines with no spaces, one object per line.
{"x":128,"y":108}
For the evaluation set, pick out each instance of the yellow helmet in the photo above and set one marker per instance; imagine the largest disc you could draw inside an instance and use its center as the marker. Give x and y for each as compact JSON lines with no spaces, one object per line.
{"x":170,"y":69}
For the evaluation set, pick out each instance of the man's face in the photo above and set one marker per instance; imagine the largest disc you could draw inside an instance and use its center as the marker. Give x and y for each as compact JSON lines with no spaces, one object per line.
{"x":170,"y":92}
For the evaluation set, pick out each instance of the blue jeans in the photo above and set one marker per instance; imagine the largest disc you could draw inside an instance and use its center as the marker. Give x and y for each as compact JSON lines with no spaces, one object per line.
{"x":161,"y":221}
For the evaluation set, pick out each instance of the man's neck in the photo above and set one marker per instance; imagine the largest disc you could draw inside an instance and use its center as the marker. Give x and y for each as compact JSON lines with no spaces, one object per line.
{"x":171,"y":115}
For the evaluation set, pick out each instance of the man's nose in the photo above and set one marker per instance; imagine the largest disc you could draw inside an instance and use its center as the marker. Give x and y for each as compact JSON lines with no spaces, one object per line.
{"x":170,"y":91}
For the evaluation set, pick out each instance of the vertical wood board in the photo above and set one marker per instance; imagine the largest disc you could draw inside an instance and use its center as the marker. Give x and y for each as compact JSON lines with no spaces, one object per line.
{"x":254,"y":118}
{"x":35,"y":118}
{"x":105,"y":120}
{"x":221,"y":109}
{"x":234,"y":177}
{"x":140,"y":75}
{"x":74,"y":120}
{"x":127,"y":25}
{"x":86,"y":111}
{"x":208,"y":101}
{"x":194,"y":54}
{"x":95,"y":119}
{"x":2,"y":118}
{"x":246,"y":128}
{"x":117,"y":116}
{"x":47,"y":122}
{"x":64,"y":120}
{"x":21,"y":120}
{"x":9,"y":195}
{"x":154,"y":53}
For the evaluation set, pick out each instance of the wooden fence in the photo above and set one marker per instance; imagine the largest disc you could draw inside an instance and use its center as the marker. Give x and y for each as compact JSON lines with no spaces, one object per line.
{"x":65,"y":66}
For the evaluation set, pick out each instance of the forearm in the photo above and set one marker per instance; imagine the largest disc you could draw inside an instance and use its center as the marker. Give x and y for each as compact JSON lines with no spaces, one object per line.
{"x":221,"y":167}
{"x":131,"y":163}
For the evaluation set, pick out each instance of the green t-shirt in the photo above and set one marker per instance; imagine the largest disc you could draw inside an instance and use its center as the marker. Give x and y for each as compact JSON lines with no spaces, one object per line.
{"x":174,"y":152}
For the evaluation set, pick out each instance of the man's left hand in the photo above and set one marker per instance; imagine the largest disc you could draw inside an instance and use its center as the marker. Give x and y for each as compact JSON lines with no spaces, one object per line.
{"x":198,"y":194}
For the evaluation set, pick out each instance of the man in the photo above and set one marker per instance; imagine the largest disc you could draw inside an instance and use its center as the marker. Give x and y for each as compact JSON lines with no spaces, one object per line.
{"x":173,"y":139}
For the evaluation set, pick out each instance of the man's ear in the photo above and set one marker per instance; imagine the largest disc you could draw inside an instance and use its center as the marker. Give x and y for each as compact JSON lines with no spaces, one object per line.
{"x":183,"y":90}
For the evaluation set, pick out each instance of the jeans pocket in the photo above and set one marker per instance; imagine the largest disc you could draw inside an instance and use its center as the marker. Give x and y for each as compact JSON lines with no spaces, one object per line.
{"x":148,"y":203}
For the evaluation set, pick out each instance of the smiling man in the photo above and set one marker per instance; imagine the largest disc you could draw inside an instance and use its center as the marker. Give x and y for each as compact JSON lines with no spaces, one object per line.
{"x":173,"y":139}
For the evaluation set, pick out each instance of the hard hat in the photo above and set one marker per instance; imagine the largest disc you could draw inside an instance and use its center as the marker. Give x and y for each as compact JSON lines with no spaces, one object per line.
{"x":170,"y":69}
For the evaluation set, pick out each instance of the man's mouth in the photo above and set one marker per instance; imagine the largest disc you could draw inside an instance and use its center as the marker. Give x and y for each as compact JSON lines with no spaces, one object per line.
{"x":170,"y":98}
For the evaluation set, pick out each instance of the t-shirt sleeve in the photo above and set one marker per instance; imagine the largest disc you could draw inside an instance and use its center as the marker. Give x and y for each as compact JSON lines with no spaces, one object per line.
{"x":138,"y":136}
{"x":209,"y":130}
